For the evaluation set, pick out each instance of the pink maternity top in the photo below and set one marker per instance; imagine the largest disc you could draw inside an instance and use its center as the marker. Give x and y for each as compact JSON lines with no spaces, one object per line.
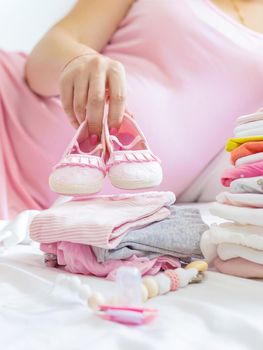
{"x":191,"y":70}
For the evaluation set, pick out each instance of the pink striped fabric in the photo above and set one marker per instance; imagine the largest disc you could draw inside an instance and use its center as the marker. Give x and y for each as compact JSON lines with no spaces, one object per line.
{"x":100,"y":221}
{"x":79,"y":258}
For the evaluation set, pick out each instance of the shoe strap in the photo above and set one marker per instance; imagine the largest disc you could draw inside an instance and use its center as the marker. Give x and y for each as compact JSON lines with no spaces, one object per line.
{"x":96,"y":149}
{"x":137,"y":139}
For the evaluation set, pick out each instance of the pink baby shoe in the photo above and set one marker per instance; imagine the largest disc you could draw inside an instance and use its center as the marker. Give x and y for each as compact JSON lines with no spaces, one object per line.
{"x":131,"y":164}
{"x":82,"y":168}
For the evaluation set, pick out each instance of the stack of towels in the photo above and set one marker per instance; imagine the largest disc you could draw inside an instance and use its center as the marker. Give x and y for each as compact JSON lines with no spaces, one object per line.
{"x":98,"y":234}
{"x":236,"y":247}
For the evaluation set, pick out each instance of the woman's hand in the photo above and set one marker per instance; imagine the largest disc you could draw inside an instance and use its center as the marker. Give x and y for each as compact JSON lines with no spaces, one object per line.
{"x":83,"y":83}
{"x":86,"y":83}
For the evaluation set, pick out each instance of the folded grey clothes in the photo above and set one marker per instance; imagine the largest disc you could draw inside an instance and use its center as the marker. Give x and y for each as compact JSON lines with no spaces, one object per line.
{"x":178,"y":235}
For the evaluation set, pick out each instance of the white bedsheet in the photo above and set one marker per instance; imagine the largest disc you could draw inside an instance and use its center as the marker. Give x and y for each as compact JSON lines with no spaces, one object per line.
{"x":223,"y":312}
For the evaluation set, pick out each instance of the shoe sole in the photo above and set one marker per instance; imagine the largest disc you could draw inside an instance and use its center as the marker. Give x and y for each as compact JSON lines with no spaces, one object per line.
{"x":77,"y":192}
{"x":133,"y":185}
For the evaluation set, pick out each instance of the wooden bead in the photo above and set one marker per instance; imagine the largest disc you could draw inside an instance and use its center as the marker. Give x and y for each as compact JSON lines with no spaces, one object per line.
{"x":152,"y":286}
{"x":199,"y":278}
{"x":200,"y":265}
{"x":145,"y":293}
{"x":95,"y":300}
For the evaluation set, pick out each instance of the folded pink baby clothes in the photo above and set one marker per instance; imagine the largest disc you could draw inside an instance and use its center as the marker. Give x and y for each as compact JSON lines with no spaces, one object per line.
{"x":243,"y":171}
{"x":100,"y":221}
{"x":79,"y":258}
{"x":239,"y":267}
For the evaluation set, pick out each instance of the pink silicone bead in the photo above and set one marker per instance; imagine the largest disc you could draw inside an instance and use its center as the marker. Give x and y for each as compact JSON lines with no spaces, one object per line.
{"x":174,"y":279}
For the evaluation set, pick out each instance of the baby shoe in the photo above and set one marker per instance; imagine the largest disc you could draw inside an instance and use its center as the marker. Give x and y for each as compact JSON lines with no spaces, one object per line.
{"x":82,"y":169}
{"x":130,"y":165}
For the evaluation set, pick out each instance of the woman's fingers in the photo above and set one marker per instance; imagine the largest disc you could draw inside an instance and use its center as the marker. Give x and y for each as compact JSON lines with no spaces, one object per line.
{"x":96,"y":102}
{"x":81,"y":86}
{"x":66,"y":96}
{"x":117,"y":87}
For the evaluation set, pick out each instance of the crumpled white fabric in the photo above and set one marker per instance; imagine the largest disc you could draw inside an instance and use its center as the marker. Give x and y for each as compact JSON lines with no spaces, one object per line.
{"x":16,"y":231}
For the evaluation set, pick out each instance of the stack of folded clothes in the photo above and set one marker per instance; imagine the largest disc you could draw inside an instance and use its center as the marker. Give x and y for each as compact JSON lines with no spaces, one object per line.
{"x":236,"y":247}
{"x":98,"y":234}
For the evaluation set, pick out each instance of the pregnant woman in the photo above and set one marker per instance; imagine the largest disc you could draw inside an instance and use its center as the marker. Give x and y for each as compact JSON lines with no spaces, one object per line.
{"x":185,"y":69}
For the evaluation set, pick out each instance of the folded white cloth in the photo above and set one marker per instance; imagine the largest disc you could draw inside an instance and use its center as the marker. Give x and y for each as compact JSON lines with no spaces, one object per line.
{"x":249,"y":132}
{"x":250,"y":117}
{"x":249,"y":129}
{"x":247,"y":185}
{"x":228,"y":251}
{"x":252,"y":158}
{"x":255,"y":124}
{"x":253,"y":200}
{"x":242,"y":235}
{"x":241,"y":215}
